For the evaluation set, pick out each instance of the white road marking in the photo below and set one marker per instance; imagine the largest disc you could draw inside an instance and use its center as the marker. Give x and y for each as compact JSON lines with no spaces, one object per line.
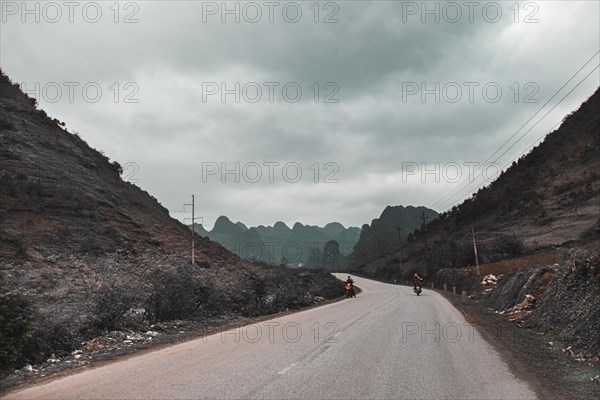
{"x":286,"y":369}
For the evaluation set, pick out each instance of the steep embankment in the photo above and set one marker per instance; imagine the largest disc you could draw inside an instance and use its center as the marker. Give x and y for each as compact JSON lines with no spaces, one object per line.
{"x":83,"y":252}
{"x":558,"y":301}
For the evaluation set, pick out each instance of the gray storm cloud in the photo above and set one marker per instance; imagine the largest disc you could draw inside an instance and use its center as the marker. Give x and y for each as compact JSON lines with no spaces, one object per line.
{"x":382,"y":84}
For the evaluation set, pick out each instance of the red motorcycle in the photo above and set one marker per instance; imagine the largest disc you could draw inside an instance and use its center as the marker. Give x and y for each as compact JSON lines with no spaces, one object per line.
{"x":350,"y":290}
{"x":417,"y":284}
{"x":417,"y":288}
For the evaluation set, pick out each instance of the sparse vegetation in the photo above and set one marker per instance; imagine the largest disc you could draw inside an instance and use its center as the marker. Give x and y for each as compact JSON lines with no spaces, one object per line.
{"x":117,"y":167}
{"x":175,"y":292}
{"x":16,"y":326}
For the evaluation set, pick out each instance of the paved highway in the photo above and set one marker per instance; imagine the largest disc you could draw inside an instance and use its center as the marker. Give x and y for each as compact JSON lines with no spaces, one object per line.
{"x":385,"y":344}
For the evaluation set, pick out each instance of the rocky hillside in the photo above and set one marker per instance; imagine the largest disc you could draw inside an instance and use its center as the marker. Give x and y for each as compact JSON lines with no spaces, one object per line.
{"x":383,"y":236}
{"x":557,"y":300}
{"x":83,"y":252}
{"x":301,"y":245}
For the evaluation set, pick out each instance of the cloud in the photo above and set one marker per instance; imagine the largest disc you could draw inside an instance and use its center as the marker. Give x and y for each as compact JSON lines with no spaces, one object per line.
{"x":378,"y":89}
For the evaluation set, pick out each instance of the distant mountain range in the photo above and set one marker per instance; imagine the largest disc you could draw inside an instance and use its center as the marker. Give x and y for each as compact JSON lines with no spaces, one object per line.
{"x":301,"y":245}
{"x":330,"y":246}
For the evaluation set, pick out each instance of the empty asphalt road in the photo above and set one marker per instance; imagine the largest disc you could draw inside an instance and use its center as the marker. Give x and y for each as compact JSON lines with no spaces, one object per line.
{"x":385,"y":344}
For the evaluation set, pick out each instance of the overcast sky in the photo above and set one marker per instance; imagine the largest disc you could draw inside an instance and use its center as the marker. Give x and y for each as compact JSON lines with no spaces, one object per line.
{"x":360,"y":98}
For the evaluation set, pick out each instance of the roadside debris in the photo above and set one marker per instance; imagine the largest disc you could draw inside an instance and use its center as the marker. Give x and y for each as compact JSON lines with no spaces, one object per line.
{"x":115,"y":343}
{"x":28,"y":368}
{"x":52,"y":359}
{"x":582,"y":356}
{"x":525,"y":304}
{"x":489,"y":280}
{"x":569,"y":351}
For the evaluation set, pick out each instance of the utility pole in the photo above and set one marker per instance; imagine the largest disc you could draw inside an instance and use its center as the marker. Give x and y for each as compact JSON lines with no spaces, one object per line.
{"x":193,"y":230}
{"x":475,"y":250}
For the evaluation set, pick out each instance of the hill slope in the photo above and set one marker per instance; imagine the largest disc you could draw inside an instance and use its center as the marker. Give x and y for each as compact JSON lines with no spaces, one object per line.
{"x":83,"y":252}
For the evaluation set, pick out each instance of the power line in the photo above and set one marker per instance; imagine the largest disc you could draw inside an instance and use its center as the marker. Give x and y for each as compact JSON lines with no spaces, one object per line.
{"x":528,"y":148}
{"x":461,"y":188}
{"x":443,"y":200}
{"x":529,"y":130}
{"x":564,"y":97}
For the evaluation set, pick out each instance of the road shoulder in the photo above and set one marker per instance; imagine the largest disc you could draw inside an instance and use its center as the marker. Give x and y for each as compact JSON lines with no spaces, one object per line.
{"x":549,"y":372}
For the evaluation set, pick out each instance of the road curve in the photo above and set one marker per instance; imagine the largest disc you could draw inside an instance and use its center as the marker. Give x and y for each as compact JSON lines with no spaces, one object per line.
{"x":385,"y":344}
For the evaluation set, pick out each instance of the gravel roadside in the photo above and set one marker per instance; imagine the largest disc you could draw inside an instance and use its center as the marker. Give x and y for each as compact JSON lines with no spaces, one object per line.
{"x":547,"y":367}
{"x":118,"y":345}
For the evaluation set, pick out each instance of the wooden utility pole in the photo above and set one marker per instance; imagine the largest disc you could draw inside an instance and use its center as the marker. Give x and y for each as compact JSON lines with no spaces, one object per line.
{"x":475,"y":250}
{"x":193,"y":230}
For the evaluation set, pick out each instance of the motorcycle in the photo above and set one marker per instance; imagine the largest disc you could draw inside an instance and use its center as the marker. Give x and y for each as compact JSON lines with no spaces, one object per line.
{"x":417,"y":289}
{"x":350,"y":290}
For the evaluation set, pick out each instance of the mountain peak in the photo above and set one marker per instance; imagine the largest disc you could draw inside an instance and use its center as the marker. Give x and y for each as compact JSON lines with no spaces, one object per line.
{"x":334,"y":225}
{"x":222,"y":219}
{"x":382,"y":234}
{"x":281,"y":226}
{"x":224,"y":223}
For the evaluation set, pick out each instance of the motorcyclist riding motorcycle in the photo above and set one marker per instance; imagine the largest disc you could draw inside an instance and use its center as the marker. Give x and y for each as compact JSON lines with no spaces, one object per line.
{"x":350,"y":287}
{"x":416,"y":282}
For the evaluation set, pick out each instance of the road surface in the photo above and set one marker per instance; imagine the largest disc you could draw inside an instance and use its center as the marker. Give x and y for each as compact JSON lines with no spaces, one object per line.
{"x":385,"y":344}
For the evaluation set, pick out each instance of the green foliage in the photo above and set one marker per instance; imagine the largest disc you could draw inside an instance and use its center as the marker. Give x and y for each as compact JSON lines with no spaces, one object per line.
{"x":510,"y":246}
{"x":51,"y":333}
{"x":15,"y":328}
{"x":175,"y":292}
{"x":111,"y":302}
{"x":117,"y":167}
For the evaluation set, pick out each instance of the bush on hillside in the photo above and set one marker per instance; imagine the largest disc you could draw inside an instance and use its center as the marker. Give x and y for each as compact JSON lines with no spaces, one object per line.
{"x":16,"y":325}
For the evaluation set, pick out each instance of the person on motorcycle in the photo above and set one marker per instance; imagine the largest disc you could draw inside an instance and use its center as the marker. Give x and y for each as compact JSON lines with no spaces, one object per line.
{"x":350,"y":286}
{"x":416,"y":281}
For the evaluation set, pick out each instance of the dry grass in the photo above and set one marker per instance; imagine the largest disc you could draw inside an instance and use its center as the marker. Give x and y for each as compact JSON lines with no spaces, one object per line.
{"x":505,"y":266}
